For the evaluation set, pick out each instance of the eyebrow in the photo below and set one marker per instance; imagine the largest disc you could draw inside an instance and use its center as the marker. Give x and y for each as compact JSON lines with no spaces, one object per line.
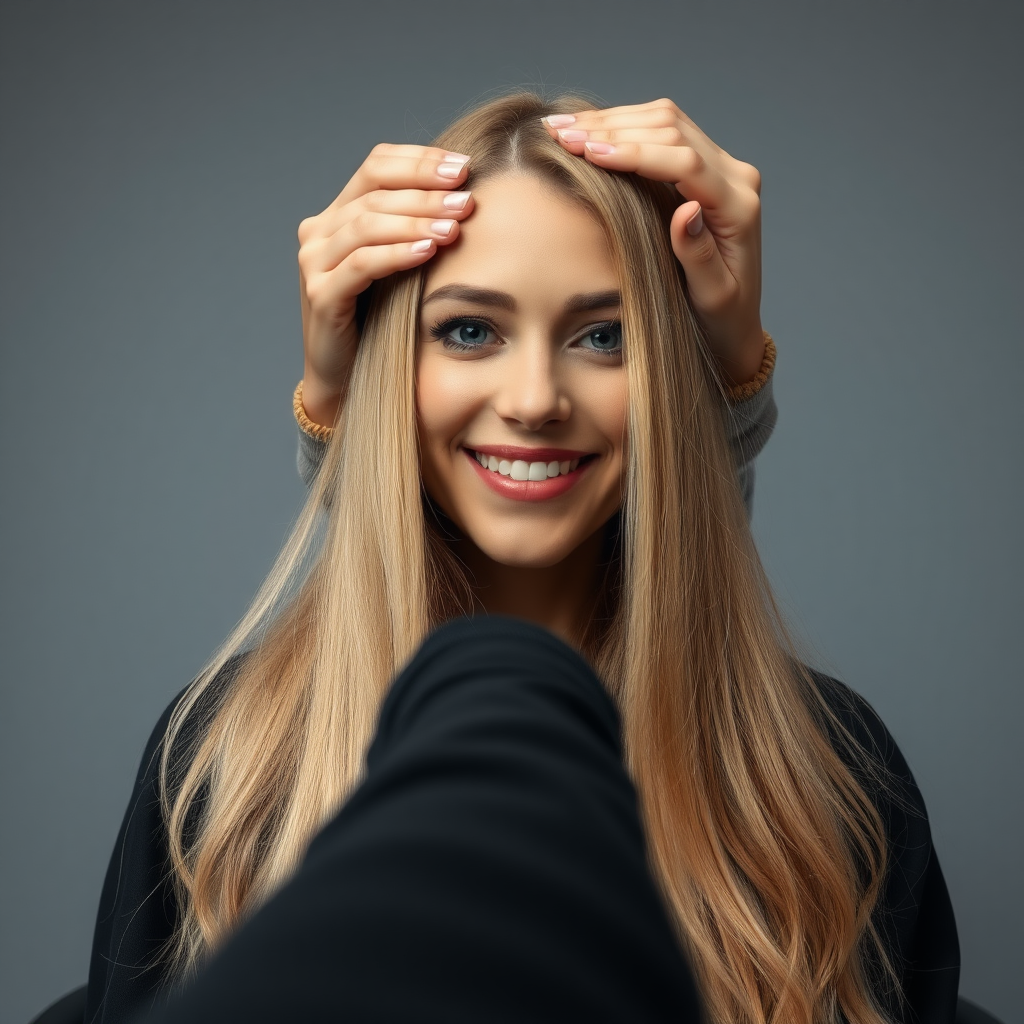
{"x":580,"y":303}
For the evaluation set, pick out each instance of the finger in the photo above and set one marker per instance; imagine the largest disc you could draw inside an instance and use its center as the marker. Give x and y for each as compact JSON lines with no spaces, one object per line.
{"x":328,"y":291}
{"x":711,"y":284}
{"x":404,"y":202}
{"x":694,"y":176}
{"x":370,"y":228}
{"x":667,"y":136}
{"x":428,"y":167}
{"x":739,"y":176}
{"x":657,"y":114}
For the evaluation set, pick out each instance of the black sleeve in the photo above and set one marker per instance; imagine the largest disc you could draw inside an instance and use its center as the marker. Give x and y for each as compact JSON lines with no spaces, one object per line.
{"x":914,"y":914}
{"x":491,"y":866}
{"x":137,"y":911}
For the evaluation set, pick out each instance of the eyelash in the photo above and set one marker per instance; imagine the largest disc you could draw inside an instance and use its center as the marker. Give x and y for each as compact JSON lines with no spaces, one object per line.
{"x":442,"y":328}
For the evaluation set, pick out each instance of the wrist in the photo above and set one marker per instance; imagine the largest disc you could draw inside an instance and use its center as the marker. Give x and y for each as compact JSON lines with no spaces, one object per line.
{"x":320,"y":402}
{"x":746,"y":389}
{"x":744,"y":358}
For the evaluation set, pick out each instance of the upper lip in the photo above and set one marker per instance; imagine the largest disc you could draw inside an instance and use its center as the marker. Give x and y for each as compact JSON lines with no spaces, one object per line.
{"x":511,"y":452}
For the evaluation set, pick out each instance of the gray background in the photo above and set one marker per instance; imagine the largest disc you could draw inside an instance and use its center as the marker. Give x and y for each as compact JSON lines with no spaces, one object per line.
{"x":156,"y":163}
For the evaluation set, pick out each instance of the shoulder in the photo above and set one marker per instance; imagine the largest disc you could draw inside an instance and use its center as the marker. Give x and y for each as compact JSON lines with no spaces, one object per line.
{"x":870,"y":751}
{"x":860,"y":720}
{"x":913,"y":913}
{"x":197,"y":717}
{"x":138,"y":909}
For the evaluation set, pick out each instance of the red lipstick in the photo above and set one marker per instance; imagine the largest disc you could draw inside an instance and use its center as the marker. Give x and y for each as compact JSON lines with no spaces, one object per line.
{"x":528,"y":490}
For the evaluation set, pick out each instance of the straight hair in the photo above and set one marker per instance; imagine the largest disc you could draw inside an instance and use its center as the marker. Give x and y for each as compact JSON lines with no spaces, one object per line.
{"x":766,"y":847}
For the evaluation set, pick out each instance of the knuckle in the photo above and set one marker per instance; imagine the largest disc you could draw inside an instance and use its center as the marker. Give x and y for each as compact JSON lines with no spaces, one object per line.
{"x":673,"y":136}
{"x":308,"y":253}
{"x":751,"y":176}
{"x":357,"y":260}
{"x":750,"y":204}
{"x":426,"y":167}
{"x":362,"y":223}
{"x":375,"y":162}
{"x":314,"y":292}
{"x":306,"y":228}
{"x":694,"y":161}
{"x":668,"y":110}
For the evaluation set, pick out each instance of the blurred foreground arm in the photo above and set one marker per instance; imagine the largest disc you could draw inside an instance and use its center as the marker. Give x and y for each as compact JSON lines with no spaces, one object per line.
{"x":491,"y":866}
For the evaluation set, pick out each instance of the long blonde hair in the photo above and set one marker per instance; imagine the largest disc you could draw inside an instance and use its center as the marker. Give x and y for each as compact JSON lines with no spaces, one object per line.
{"x":768,"y":851}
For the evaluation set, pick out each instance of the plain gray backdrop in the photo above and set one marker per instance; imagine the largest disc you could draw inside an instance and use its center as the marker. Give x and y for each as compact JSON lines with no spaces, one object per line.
{"x":156,"y":162}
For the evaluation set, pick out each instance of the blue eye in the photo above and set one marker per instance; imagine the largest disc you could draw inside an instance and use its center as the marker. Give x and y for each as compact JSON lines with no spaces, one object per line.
{"x":469,"y":333}
{"x":609,"y":338}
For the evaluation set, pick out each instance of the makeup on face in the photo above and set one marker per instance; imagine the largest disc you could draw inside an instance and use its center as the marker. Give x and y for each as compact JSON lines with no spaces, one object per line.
{"x":528,"y":474}
{"x":521,"y":381}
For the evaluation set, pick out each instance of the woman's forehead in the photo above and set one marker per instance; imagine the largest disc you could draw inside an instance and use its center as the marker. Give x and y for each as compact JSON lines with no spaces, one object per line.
{"x":525,"y":238}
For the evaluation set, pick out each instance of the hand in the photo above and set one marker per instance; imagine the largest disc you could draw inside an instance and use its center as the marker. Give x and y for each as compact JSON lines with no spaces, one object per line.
{"x":396,"y":198}
{"x":722,"y":257}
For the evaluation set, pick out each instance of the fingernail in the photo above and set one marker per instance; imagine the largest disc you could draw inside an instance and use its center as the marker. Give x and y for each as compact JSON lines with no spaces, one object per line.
{"x":573,"y":135}
{"x":603,"y":148}
{"x":559,"y":120}
{"x":459,"y":158}
{"x":456,"y":200}
{"x":695,"y":223}
{"x":442,"y":227}
{"x":422,"y":246}
{"x":450,"y":170}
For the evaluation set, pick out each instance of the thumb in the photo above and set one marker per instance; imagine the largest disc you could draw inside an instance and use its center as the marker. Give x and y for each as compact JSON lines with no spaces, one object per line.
{"x":707,"y":277}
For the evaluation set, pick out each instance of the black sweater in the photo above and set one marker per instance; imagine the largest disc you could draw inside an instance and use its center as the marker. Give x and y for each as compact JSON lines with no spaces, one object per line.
{"x":137,"y":911}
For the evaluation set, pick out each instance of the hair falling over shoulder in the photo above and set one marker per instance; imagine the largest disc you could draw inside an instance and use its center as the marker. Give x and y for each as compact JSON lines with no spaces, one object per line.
{"x":767,"y":849}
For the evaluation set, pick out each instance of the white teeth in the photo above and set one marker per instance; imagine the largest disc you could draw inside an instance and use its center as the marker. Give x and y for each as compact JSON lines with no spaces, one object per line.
{"x":521,"y":470}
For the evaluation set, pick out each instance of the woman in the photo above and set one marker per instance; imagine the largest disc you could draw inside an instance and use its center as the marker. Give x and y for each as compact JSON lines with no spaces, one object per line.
{"x":537,"y":423}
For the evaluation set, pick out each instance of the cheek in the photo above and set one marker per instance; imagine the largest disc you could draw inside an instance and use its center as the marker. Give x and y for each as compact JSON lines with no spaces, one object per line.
{"x":609,"y":404}
{"x":448,"y":398}
{"x":441,"y":402}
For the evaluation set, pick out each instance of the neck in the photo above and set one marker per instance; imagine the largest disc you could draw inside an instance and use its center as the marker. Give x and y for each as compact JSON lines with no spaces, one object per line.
{"x":559,"y":597}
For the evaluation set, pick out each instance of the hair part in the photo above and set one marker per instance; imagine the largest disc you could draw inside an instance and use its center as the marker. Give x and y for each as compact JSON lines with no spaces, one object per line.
{"x":766,"y":848}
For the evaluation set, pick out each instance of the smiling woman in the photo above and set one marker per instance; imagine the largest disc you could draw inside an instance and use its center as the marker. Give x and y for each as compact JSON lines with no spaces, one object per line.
{"x":536,"y":416}
{"x":517,"y":360}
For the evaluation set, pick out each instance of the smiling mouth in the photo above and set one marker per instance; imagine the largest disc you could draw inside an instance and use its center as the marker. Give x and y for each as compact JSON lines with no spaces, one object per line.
{"x":519,"y":469}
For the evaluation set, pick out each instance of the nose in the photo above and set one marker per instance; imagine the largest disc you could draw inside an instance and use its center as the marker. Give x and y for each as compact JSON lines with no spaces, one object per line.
{"x":532,"y":392}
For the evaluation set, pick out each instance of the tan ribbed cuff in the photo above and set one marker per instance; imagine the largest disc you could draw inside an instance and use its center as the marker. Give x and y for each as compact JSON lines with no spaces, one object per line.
{"x":741,"y":392}
{"x":321,"y":433}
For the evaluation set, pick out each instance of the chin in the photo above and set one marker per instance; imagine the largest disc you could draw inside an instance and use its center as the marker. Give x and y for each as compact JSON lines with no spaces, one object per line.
{"x":511,"y":551}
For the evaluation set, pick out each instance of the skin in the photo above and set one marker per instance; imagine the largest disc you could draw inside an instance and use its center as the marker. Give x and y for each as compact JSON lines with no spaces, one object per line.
{"x":537,"y":377}
{"x":403,"y":207}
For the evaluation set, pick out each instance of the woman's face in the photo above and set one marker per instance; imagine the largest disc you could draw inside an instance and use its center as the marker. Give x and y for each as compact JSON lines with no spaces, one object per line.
{"x":519,"y":361}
